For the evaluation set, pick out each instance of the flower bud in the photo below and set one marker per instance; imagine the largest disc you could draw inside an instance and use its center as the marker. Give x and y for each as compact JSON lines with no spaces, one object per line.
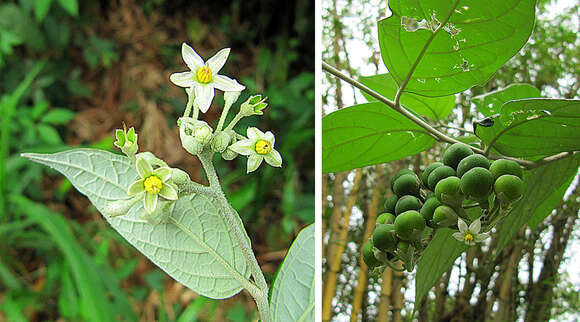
{"x":202,"y":133}
{"x":220,"y":142}
{"x":253,"y":105}
{"x":231,"y":97}
{"x":179,"y":177}
{"x":119,"y":207}
{"x":229,"y":155}
{"x":126,"y":141}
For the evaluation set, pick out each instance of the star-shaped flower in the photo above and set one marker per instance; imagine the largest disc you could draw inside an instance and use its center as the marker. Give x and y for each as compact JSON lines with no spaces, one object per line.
{"x":258,"y":146}
{"x":203,"y":77}
{"x":470,"y":235}
{"x":152,"y":184}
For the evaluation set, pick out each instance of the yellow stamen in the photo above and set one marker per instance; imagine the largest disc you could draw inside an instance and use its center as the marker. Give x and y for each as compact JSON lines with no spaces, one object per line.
{"x":468,"y":237}
{"x":204,"y":75}
{"x":263,"y":147}
{"x":153,"y":184}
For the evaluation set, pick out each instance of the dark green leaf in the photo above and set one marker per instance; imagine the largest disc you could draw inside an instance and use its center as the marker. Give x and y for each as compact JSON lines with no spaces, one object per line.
{"x":480,"y":36}
{"x":48,"y":134}
{"x":71,"y":6}
{"x":490,"y":103}
{"x":548,"y":205}
{"x":41,"y":8}
{"x":432,"y":107}
{"x":368,"y":134}
{"x":534,"y":128}
{"x":58,"y":116}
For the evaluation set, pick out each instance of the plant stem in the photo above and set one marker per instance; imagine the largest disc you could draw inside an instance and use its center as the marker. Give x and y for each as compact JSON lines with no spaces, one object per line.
{"x":188,"y":106}
{"x":235,"y":121}
{"x":231,"y":218}
{"x":222,"y":120}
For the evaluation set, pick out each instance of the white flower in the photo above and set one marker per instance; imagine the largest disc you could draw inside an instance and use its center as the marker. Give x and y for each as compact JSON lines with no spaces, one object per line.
{"x":203,"y":77}
{"x":258,"y":146}
{"x":470,"y":235}
{"x":152,"y":184}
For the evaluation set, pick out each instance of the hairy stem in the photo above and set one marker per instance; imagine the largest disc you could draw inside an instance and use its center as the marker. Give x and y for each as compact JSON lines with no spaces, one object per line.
{"x":235,"y":121}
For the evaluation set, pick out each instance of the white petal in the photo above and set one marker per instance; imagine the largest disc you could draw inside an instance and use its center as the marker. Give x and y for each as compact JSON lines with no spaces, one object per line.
{"x":459,"y":236}
{"x":481,"y":237}
{"x":227,"y":84}
{"x":204,"y":96}
{"x":475,"y":226}
{"x":191,"y":58}
{"x":136,"y":187}
{"x":253,"y":133}
{"x":243,"y":147}
{"x":150,"y":201}
{"x":164,"y":173}
{"x":168,"y":192}
{"x":269,"y":136}
{"x":143,"y":168}
{"x":254,"y":162}
{"x":183,"y":79}
{"x":273,"y":158}
{"x":217,"y":61}
{"x":462,"y":226}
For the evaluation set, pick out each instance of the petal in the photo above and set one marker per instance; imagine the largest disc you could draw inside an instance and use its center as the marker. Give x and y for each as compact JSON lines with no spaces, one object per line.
{"x":254,"y":162}
{"x":191,"y":58}
{"x":136,"y":188}
{"x":183,"y":79}
{"x":462,"y":226}
{"x":269,"y":136}
{"x":475,"y":227}
{"x":217,"y":61}
{"x":273,"y":158}
{"x":164,"y":173}
{"x":168,"y":192}
{"x":203,"y":96}
{"x":459,"y":236}
{"x":143,"y":168}
{"x":253,"y":133}
{"x":150,"y":202}
{"x":227,"y":84}
{"x":243,"y":147}
{"x":481,"y":237}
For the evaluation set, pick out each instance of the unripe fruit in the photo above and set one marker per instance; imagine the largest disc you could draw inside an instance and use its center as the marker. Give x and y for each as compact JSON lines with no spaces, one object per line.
{"x":477,"y":183}
{"x":427,"y":172}
{"x":385,"y":218}
{"x":410,"y":225}
{"x":502,"y":166}
{"x":398,"y":175}
{"x":438,"y":174}
{"x":429,"y":207}
{"x":384,"y":238}
{"x":508,"y":188}
{"x":444,"y":216}
{"x":407,"y":184}
{"x":448,"y":186}
{"x":403,"y":247}
{"x":369,"y":256}
{"x":390,"y":204}
{"x":470,"y":162}
{"x":455,"y":153}
{"x":407,"y":203}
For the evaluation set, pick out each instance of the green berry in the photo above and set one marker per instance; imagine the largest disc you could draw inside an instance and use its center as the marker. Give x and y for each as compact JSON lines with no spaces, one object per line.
{"x":502,"y":166}
{"x":438,"y":174}
{"x":407,"y":203}
{"x":410,"y":225}
{"x":398,"y":175}
{"x":477,"y":183}
{"x":455,"y":153}
{"x":385,"y":218}
{"x":449,"y":186}
{"x":368,"y":255}
{"x":470,"y":162}
{"x":384,"y":238}
{"x":390,"y":204}
{"x":429,"y":207}
{"x":508,"y":187}
{"x":427,"y":172}
{"x":407,"y":184}
{"x":402,"y":247}
{"x":444,"y":216}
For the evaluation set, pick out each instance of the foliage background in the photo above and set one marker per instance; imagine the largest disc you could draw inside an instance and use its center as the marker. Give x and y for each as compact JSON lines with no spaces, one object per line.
{"x":108,"y":62}
{"x":536,"y":274}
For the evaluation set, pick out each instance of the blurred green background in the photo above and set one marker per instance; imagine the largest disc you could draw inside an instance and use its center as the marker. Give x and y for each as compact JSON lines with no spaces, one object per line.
{"x":71,"y":71}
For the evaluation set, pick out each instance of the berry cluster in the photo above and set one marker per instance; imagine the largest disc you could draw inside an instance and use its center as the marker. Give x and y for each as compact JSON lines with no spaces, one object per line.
{"x":439,"y":199}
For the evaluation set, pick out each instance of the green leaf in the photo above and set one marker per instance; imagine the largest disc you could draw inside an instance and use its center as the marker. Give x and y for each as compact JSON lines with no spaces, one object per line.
{"x":368,"y":134}
{"x":436,"y":259}
{"x":70,"y":6}
{"x":432,"y":107}
{"x":534,"y":128}
{"x":293,"y":290}
{"x":549,"y":205}
{"x":540,"y":185}
{"x":41,"y":8}
{"x":194,"y":246}
{"x":478,"y":38}
{"x":490,"y":103}
{"x":49,"y":134}
{"x":58,"y":116}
